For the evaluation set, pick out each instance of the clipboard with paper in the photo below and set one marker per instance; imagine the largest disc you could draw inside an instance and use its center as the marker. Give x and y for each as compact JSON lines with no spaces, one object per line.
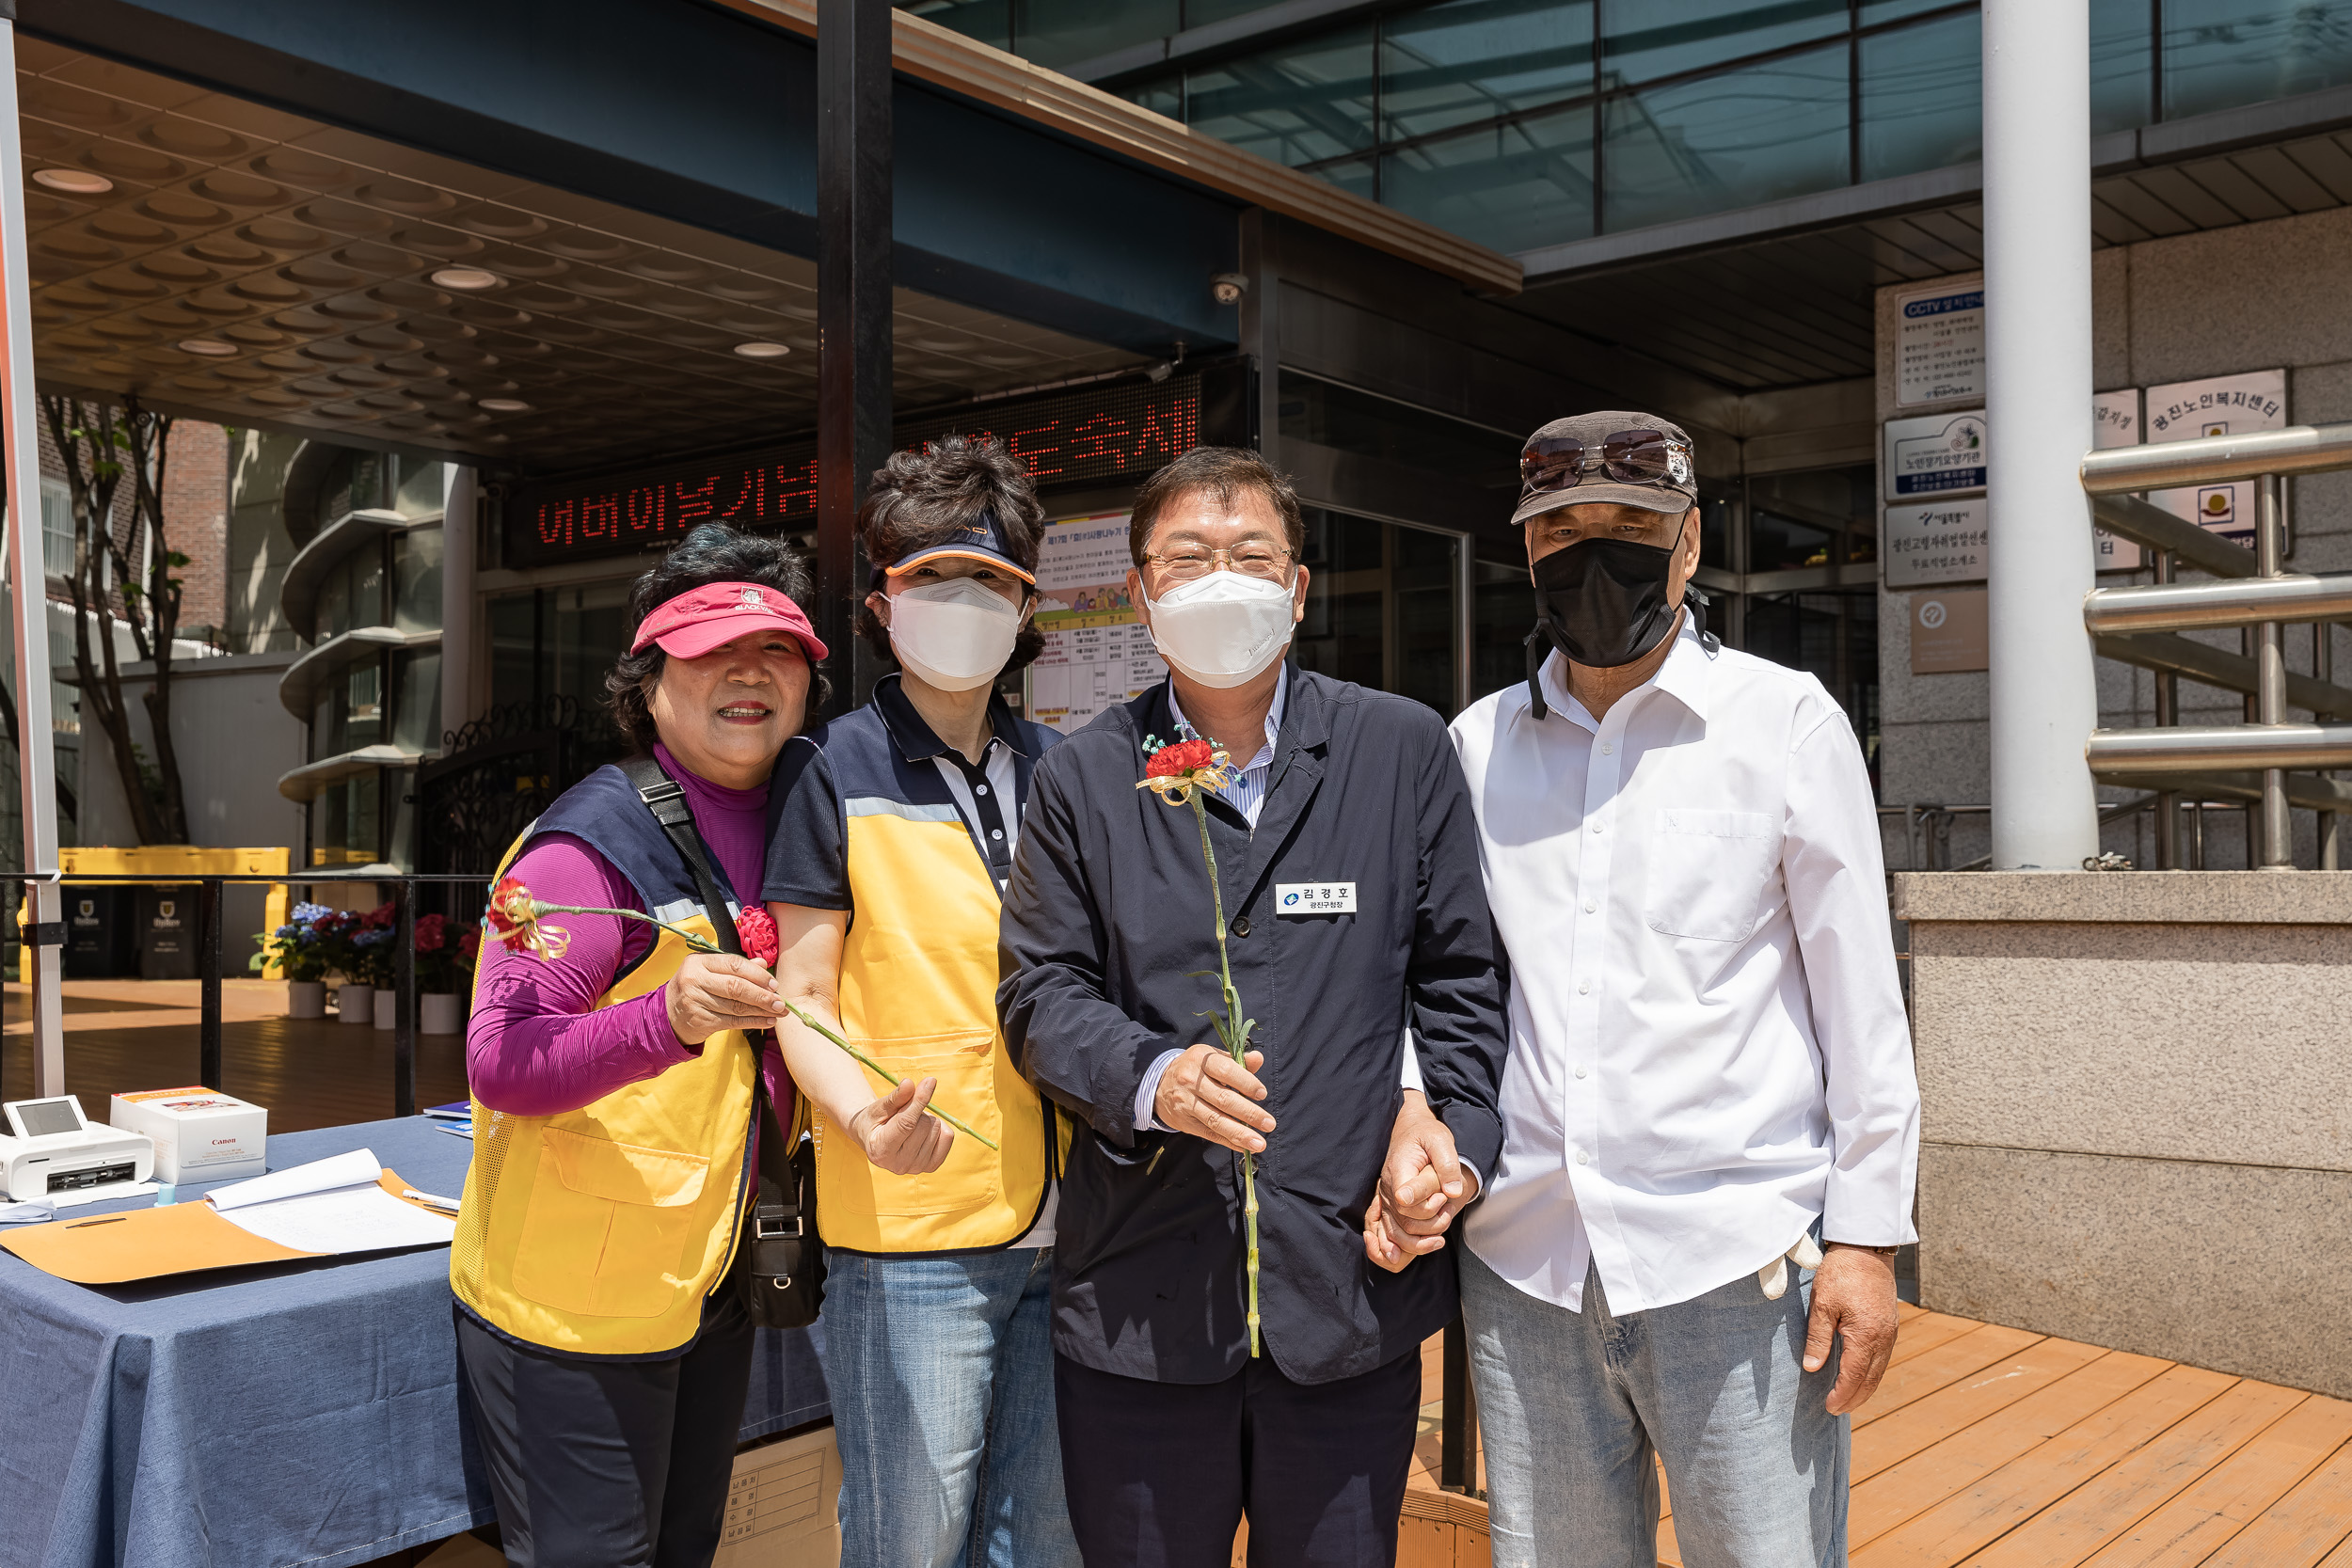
{"x":348,"y":1203}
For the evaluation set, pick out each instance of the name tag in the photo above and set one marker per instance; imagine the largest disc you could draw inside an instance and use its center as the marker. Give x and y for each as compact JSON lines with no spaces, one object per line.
{"x":1314,"y":897}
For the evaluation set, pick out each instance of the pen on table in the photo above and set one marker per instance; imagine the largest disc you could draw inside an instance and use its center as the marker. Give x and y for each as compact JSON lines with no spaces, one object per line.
{"x":111,"y":1219}
{"x":448,"y":1204}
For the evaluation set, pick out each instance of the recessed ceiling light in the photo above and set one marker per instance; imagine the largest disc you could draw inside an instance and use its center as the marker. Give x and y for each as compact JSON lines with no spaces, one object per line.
{"x":763,"y":351}
{"x":504,"y":405}
{"x":211,"y":346}
{"x":80,"y":181}
{"x":466,"y":278}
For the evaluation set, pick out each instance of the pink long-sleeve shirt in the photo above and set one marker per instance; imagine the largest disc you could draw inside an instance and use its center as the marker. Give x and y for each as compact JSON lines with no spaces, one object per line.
{"x":538,"y":1044}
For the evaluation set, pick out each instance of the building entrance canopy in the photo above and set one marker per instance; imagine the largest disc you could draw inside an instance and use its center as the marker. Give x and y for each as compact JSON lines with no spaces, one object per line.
{"x":259,"y":268}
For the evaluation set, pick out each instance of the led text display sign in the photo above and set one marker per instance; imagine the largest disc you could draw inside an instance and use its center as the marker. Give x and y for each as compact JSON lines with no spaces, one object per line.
{"x":1088,"y":436}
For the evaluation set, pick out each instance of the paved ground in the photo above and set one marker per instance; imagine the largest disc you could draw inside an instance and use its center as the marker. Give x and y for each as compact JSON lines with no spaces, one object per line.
{"x":129,"y":1034}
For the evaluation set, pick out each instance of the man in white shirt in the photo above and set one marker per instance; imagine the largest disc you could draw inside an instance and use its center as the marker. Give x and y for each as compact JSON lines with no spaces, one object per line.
{"x":1710,"y":1069}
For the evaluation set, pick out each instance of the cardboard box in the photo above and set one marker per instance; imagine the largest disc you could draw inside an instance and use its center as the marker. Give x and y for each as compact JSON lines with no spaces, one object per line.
{"x":201,"y":1135}
{"x":783,"y":1505}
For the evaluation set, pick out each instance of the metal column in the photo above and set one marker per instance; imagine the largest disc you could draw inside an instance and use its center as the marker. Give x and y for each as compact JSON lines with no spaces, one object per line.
{"x":37,"y":767}
{"x":2037,"y":381}
{"x":2270,"y":673}
{"x":853,"y":240}
{"x":209,"y":1071}
{"x":2167,"y":713}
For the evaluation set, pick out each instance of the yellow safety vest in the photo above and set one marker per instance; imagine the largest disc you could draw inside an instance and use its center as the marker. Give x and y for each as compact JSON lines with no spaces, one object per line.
{"x":918,"y":992}
{"x":600,"y":1231}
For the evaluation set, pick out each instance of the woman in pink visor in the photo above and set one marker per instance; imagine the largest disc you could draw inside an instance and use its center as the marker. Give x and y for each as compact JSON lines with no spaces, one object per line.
{"x":619,"y":1094}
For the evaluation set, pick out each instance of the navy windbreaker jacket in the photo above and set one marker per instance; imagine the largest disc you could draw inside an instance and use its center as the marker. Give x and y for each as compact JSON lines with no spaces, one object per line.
{"x":1107,"y":921}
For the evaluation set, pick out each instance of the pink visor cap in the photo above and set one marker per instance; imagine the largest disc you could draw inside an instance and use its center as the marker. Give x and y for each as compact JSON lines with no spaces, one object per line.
{"x":701,"y":618}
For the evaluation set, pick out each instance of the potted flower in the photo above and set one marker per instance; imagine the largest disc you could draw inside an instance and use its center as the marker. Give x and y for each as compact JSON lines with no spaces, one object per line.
{"x":303,"y":955}
{"x":373,"y":955}
{"x":443,"y":967}
{"x":354,"y":999}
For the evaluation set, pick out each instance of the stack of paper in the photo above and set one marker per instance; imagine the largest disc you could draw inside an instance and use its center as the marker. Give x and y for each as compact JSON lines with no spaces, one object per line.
{"x":331,"y":1205}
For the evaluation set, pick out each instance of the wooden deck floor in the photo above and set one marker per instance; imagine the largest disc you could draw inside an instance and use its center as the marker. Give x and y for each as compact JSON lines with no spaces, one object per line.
{"x":128,"y":1034}
{"x":1998,"y":1449}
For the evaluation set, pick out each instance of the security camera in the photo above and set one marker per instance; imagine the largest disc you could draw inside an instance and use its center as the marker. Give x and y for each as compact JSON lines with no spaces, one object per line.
{"x":1228,"y":287}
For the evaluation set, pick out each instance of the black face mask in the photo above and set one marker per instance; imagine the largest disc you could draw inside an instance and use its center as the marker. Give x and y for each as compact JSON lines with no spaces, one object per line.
{"x":1604,"y":604}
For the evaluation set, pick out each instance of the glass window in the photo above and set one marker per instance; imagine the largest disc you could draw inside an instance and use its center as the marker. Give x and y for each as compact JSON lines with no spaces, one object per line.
{"x":1199,"y":13}
{"x":346,"y":823}
{"x":1063,"y":32}
{"x":2219,"y":54}
{"x":1875,"y":11}
{"x":1645,"y":39}
{"x":1365,"y":425}
{"x":1503,"y":611}
{"x":417,"y":570}
{"x":1515,"y":187}
{"x":366,"y":568}
{"x":57,"y":528}
{"x":334,"y":606}
{"x":514,"y":652}
{"x":1472,"y":60}
{"x":416,"y":721}
{"x":2123,"y":36}
{"x":422,"y":487}
{"x":1298,"y":105}
{"x":1380,"y":607}
{"x":988,"y":21}
{"x":363,"y":706}
{"x":1162,"y":96}
{"x":1736,"y":139}
{"x":1922,"y":97}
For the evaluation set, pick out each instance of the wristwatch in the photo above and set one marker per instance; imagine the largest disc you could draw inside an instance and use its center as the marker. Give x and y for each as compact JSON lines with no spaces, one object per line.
{"x":1865,"y":1246}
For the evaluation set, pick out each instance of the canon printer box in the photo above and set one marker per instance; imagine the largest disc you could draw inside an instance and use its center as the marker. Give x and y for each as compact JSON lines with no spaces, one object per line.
{"x":201,"y":1135}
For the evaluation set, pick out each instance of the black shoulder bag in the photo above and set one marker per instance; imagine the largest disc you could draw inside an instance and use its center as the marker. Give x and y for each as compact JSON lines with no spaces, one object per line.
{"x":782,"y":1278}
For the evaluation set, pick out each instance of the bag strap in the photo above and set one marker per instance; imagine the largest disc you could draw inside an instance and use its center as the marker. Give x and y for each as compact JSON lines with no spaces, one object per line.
{"x":666,"y":799}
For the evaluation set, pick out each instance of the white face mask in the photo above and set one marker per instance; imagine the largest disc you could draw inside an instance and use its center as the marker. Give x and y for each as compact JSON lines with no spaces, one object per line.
{"x":953,"y":635}
{"x":1223,"y":628}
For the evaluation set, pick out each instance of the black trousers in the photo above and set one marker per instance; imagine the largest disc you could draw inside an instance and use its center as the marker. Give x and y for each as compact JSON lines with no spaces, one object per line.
{"x":1160,"y":1474}
{"x":610,"y":1463}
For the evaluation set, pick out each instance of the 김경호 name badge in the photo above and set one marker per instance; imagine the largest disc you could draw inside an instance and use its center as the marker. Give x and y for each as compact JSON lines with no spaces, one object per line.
{"x":1315,"y":898}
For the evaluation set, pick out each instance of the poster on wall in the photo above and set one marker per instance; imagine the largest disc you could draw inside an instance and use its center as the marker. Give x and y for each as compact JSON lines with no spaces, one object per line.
{"x":1939,"y":344}
{"x":1939,"y":455}
{"x":2218,"y":406}
{"x":1097,"y":652}
{"x":2114,"y":423}
{"x":1950,"y":632}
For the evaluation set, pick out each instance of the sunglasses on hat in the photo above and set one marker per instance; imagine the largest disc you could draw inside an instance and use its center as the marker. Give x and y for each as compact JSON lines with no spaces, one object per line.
{"x":1553,"y":462}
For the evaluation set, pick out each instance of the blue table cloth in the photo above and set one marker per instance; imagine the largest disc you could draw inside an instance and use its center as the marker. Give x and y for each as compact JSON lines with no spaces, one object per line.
{"x":287,"y":1416}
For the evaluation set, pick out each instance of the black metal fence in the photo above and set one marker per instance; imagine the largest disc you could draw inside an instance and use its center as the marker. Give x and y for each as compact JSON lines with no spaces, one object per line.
{"x":211,"y":942}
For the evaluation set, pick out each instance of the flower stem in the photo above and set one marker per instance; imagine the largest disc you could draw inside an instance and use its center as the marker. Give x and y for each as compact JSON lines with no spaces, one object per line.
{"x":891,"y":1078}
{"x":703,"y":944}
{"x":1237,"y":1044}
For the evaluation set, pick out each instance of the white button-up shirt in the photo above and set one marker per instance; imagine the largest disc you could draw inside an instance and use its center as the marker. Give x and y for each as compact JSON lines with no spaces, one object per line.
{"x":1708,"y":1048}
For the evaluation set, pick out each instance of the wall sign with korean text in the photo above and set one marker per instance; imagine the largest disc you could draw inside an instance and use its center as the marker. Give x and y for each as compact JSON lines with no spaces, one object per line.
{"x":1938,"y":454}
{"x":2114,"y":423}
{"x":1939,"y":344}
{"x":2218,"y":406}
{"x":1119,"y":431}
{"x":1935,"y":542}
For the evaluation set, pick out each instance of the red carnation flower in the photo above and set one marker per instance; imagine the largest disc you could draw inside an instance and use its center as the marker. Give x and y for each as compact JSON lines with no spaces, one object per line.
{"x":1179,"y":757}
{"x":757,"y":929}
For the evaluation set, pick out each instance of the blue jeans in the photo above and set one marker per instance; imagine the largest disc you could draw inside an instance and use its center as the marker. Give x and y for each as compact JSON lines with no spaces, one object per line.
{"x":941,"y":1371}
{"x":1575,"y":1408}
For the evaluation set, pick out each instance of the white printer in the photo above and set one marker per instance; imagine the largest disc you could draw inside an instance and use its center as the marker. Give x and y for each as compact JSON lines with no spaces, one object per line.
{"x":55,"y":1149}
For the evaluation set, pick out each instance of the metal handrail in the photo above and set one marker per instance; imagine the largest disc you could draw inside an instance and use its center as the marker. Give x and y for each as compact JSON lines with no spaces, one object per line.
{"x":2201,"y":606}
{"x":210,"y":942}
{"x":2218,"y":459}
{"x":2122,"y":752}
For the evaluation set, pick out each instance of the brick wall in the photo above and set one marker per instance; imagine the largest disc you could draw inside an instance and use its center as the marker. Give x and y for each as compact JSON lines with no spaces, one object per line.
{"x":196,"y":520}
{"x":196,"y":514}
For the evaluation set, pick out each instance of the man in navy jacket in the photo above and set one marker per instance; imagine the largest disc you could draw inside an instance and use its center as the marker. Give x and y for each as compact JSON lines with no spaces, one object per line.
{"x":1360,"y":943}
